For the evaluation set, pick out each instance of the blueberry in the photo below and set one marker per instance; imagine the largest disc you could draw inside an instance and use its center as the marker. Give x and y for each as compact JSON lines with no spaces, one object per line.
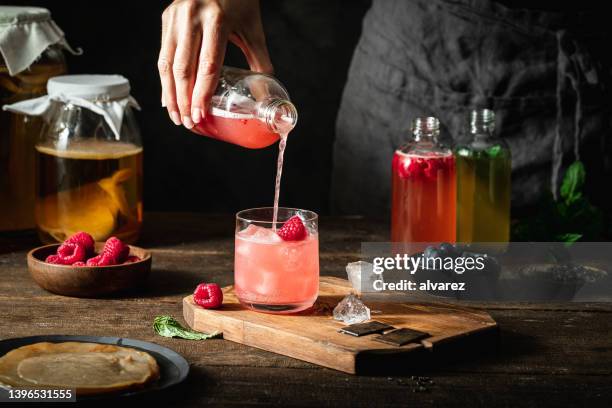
{"x":431,"y":252}
{"x":447,"y":249}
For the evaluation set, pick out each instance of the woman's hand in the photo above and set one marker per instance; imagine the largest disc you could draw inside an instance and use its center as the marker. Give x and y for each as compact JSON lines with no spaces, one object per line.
{"x":194,"y":39}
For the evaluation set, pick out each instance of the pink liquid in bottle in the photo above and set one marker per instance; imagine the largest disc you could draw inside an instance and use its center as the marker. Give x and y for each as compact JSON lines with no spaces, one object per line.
{"x":241,"y":129}
{"x":248,"y":109}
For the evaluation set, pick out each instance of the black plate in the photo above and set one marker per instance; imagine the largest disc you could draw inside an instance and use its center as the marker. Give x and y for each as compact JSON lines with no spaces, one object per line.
{"x":172,"y":366}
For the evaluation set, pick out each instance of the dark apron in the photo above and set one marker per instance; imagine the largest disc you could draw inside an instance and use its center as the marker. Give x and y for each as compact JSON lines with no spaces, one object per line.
{"x":442,"y":58}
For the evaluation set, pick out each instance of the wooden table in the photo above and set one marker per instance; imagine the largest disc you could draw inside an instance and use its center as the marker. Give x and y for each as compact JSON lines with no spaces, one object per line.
{"x":557,"y":355}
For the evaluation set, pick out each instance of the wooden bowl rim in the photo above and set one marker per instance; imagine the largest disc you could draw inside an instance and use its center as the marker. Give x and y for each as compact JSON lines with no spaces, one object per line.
{"x":147,"y":256}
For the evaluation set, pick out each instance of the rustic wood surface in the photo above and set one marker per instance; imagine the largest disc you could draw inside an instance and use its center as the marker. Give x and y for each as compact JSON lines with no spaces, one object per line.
{"x":314,"y":336}
{"x":557,"y":355}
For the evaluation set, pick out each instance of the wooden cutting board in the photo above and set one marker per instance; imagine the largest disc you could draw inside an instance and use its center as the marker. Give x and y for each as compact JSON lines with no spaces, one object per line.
{"x":313,"y":335}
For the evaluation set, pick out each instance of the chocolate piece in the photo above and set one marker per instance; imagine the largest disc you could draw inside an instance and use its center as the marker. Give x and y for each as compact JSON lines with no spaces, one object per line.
{"x":362,"y":329}
{"x":400,"y":337}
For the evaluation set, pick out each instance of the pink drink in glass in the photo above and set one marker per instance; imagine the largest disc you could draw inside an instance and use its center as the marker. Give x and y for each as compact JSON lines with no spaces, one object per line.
{"x":272,"y":275}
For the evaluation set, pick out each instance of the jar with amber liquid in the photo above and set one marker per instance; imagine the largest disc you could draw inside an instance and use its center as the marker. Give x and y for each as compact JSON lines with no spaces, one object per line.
{"x":88,"y":160}
{"x":22,"y":80}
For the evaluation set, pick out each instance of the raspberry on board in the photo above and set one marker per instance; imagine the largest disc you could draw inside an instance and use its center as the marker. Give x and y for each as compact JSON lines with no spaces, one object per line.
{"x":208,"y":295}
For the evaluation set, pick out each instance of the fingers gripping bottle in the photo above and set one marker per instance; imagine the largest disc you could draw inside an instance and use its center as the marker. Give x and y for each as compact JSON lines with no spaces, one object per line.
{"x":423,"y":187}
{"x":248,"y":109}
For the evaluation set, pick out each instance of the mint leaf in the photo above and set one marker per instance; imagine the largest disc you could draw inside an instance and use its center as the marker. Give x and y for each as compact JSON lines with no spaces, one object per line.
{"x":494,"y":151}
{"x":464,"y":152}
{"x":167,"y":326}
{"x":569,"y":219}
{"x":568,"y":238}
{"x":573,"y":181}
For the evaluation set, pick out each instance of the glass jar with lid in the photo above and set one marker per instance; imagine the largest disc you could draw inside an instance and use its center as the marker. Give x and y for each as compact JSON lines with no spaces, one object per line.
{"x":31,"y":51}
{"x":88,"y":157}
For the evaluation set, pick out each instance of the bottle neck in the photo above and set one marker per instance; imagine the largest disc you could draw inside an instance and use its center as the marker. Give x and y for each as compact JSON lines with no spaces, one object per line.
{"x":426,"y":130}
{"x":482,"y":123}
{"x":279,"y":114}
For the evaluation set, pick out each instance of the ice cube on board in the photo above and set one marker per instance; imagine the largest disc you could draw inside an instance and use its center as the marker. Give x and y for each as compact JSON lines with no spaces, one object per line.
{"x":351,"y":310}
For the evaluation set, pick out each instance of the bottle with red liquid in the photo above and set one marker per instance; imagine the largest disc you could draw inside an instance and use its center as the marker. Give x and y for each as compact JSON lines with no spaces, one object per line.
{"x":423,"y":188}
{"x":248,"y":109}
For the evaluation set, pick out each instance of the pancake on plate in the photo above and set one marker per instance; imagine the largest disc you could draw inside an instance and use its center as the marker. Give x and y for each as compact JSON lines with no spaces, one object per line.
{"x":90,"y":368}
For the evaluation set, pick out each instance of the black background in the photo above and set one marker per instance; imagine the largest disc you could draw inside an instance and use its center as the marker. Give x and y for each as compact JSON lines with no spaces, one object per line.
{"x":310,"y":43}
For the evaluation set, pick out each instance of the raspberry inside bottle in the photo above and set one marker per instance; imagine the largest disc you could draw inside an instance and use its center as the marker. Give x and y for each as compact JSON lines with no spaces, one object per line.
{"x":423,"y":188}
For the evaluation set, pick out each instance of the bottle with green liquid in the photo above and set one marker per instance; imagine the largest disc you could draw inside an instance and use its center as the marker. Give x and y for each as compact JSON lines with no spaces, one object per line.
{"x":483,"y":183}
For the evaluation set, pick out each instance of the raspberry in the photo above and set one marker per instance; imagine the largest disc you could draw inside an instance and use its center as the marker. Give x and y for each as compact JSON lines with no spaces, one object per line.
{"x":208,"y":295}
{"x":93,"y":261}
{"x":415,"y":168}
{"x":431,"y":168}
{"x":83,"y":239}
{"x":292,"y":230}
{"x":79,"y":263}
{"x":408,"y":167}
{"x":70,"y":253}
{"x":115,"y":249}
{"x":132,"y":258}
{"x":54,"y":259}
{"x":101,"y":260}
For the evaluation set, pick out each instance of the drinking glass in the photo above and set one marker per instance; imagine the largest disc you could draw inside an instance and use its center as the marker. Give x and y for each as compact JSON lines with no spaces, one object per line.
{"x":270,"y":274}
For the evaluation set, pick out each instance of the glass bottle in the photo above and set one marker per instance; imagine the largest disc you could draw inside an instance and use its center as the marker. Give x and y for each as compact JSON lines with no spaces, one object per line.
{"x":248,"y":109}
{"x":483,"y":183}
{"x":423,"y":187}
{"x":89,"y":175}
{"x":18,"y":133}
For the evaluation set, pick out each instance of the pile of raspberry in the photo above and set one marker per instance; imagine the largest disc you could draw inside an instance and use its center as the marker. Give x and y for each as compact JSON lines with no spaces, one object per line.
{"x":79,"y":250}
{"x":422,"y":167}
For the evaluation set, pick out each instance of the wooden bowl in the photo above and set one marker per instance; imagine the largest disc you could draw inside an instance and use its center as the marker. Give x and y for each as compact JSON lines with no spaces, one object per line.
{"x":87,"y":281}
